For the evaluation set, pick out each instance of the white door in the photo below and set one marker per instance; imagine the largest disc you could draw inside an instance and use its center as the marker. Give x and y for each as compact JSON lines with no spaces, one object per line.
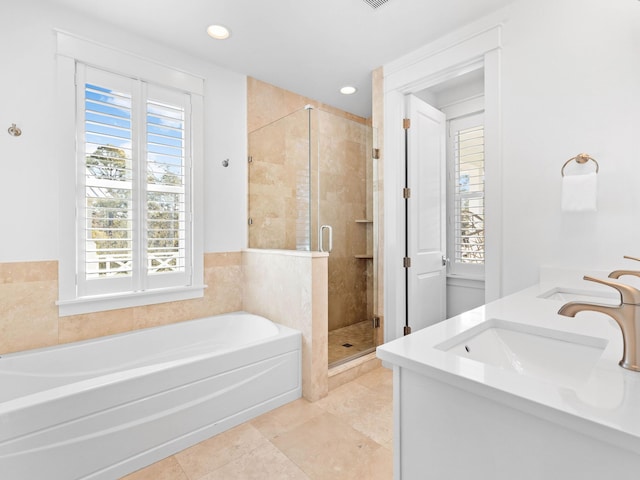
{"x":427,"y":214}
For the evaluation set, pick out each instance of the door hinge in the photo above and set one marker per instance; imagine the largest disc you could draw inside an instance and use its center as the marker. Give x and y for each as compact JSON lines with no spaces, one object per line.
{"x":406,"y":123}
{"x":376,"y":322}
{"x":250,"y":159}
{"x":376,"y":154}
{"x":250,"y":222}
{"x":406,"y":262}
{"x":406,"y":193}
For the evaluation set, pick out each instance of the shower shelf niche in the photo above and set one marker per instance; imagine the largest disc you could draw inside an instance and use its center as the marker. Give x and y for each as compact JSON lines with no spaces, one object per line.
{"x":364,"y":256}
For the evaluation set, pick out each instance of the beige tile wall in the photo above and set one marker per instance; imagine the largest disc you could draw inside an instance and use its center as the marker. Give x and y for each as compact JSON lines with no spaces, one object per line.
{"x":290,"y":288}
{"x":267,"y":103}
{"x":279,"y":183}
{"x":341,"y":145}
{"x":29,"y":317}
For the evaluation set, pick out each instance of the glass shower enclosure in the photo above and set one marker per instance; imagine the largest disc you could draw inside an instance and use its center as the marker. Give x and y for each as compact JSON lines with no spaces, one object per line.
{"x":311,"y":177}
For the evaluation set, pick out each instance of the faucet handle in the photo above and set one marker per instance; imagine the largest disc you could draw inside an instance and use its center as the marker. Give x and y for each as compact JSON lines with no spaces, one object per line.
{"x":629,"y":294}
{"x":620,"y":273}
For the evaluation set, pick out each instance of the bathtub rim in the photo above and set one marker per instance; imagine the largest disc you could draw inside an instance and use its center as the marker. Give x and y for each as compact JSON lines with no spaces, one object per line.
{"x":53,"y":394}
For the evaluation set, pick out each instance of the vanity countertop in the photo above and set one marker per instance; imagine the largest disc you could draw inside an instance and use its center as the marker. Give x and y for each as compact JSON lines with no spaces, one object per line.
{"x":606,"y":403}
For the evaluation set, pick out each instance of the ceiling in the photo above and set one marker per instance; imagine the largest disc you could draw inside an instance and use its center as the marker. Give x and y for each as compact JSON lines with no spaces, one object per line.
{"x":308,"y":47}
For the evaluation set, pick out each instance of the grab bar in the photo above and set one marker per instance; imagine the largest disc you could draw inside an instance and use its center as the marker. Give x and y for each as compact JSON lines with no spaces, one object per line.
{"x":321,"y":240}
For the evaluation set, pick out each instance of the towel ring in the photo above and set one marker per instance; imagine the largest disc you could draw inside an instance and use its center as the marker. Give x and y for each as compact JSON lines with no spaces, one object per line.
{"x":580,"y":158}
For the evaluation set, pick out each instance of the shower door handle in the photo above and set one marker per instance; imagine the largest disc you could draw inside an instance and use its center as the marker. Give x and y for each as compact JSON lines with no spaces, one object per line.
{"x":321,"y":242}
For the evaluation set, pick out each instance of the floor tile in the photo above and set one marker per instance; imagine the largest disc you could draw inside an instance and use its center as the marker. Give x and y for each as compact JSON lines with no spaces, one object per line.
{"x":380,"y":467}
{"x":263,"y":463}
{"x":167,"y":469}
{"x":207,"y":456}
{"x":286,"y":418}
{"x":327,"y":448}
{"x":364,"y":409}
{"x":380,"y":377}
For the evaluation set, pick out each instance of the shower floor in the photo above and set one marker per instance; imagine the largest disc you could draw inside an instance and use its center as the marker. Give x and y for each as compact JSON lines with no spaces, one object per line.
{"x":360,"y":338}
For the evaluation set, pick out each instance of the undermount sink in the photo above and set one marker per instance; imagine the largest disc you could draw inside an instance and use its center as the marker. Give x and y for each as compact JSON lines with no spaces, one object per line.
{"x":562,"y":358}
{"x":574,"y":295}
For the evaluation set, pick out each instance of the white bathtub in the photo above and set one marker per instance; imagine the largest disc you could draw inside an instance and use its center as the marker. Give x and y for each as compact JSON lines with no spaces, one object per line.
{"x":102,"y":408}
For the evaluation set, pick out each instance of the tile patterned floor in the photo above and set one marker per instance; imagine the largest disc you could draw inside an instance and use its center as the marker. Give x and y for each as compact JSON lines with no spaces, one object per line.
{"x":347,"y":435}
{"x":358,"y":335}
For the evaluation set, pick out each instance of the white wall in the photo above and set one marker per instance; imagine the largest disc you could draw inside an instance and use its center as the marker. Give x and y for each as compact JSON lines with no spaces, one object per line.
{"x":568,"y":77}
{"x":570,"y":84}
{"x":463,"y":295}
{"x":29,"y":189}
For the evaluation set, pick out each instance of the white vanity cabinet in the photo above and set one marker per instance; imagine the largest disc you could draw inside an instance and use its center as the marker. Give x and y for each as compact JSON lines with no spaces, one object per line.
{"x":464,"y":418}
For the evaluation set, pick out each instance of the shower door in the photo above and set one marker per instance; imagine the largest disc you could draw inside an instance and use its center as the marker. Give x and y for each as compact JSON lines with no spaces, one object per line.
{"x":343,"y":180}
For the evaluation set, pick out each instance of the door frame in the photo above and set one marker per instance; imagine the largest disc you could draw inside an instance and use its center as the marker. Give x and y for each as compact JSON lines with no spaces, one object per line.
{"x":473,"y":47}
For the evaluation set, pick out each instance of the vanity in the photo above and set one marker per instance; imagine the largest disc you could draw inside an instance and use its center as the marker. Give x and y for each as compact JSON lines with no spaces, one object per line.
{"x":512,"y":390}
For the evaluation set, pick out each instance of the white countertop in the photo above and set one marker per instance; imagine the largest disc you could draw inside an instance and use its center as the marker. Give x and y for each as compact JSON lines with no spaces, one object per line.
{"x":606,"y":404}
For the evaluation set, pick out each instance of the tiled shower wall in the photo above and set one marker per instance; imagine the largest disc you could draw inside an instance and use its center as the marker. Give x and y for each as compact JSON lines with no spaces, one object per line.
{"x":341,"y":144}
{"x":279,"y":184}
{"x":29,"y":316}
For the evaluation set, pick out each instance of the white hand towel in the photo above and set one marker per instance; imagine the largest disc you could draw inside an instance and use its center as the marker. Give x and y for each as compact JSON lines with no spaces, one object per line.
{"x":579,"y":193}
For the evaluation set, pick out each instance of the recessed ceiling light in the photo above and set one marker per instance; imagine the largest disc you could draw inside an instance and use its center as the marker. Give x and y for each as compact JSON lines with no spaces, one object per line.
{"x":219,"y":32}
{"x":348,"y":90}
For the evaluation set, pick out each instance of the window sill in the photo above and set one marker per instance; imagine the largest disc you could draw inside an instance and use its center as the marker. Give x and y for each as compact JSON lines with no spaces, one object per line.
{"x":476,"y":281}
{"x":101,"y":303}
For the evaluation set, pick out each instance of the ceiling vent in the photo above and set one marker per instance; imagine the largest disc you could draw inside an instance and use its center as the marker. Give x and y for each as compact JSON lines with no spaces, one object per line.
{"x":375,"y":3}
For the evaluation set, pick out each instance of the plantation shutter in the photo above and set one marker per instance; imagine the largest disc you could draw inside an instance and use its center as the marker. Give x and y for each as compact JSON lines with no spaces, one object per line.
{"x":134,"y":219}
{"x":168,"y":245}
{"x":467,"y":245}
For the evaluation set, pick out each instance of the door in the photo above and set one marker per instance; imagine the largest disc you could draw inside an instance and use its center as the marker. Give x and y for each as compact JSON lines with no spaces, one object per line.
{"x":426,"y":221}
{"x":342,"y":153}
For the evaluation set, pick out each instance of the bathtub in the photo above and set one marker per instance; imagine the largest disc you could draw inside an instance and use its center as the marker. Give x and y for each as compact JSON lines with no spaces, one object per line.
{"x":103,"y":408}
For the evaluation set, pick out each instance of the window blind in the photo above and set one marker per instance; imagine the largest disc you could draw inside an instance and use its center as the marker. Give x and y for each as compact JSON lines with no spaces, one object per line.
{"x":108,"y":182}
{"x":166,"y":231}
{"x":135,"y":222}
{"x":469,"y":196}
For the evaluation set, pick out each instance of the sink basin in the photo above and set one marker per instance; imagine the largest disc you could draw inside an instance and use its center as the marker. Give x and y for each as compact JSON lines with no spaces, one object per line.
{"x":574,"y":295}
{"x":562,"y":358}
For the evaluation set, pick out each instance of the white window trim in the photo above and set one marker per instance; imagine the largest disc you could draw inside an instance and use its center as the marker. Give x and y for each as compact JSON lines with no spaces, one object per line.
{"x":71,"y":49}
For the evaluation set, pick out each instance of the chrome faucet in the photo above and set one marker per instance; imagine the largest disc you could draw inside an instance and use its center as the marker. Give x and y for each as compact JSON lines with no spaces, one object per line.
{"x":626,"y":315}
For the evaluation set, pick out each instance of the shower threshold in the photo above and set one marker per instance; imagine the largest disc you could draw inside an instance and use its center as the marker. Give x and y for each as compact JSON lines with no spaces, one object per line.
{"x":350,"y":358}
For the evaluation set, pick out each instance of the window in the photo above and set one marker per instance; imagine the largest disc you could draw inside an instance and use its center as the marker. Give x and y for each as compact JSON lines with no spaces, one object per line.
{"x":466,"y":196}
{"x":135,"y":190}
{"x":133,"y":227}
